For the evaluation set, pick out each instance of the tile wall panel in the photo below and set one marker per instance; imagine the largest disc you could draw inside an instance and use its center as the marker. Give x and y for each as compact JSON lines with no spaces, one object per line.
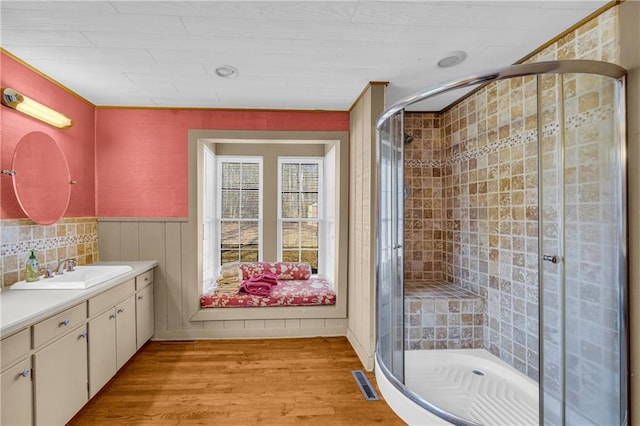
{"x":472,"y":214}
{"x":69,"y":238}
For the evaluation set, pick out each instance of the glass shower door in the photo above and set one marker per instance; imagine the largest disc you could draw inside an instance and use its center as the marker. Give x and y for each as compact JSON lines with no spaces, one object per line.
{"x":389,"y":265}
{"x":582,"y":251}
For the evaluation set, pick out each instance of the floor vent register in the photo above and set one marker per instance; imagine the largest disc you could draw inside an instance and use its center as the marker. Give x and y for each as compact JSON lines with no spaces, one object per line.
{"x":365,"y":386}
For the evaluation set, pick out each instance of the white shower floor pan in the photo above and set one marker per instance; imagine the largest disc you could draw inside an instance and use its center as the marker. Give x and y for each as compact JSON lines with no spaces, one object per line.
{"x":473,"y":385}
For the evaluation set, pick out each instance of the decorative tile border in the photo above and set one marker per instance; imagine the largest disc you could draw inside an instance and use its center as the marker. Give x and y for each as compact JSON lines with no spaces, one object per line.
{"x":47,"y":243}
{"x":573,"y":122}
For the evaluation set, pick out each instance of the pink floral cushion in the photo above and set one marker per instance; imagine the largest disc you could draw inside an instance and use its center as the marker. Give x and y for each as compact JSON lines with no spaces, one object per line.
{"x":283,"y":270}
{"x":309,"y":292}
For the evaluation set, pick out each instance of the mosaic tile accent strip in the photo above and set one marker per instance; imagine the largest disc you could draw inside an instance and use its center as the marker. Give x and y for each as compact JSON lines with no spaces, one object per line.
{"x":68,"y":238}
{"x":549,"y":129}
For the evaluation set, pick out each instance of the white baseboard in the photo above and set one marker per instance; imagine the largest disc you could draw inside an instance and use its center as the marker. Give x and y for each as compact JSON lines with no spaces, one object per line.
{"x":366,"y":358}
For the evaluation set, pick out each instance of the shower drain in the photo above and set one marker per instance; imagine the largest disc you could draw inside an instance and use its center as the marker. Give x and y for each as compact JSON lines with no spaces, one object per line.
{"x":478,"y":373}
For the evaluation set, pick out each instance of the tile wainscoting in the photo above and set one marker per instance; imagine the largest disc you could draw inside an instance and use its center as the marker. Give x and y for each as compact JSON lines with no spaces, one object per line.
{"x":68,"y":238}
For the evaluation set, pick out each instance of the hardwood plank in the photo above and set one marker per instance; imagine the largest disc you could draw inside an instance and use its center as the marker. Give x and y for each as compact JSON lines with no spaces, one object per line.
{"x":238,"y":382}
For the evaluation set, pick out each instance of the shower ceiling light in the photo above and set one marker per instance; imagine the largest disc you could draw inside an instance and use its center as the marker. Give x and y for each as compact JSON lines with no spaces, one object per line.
{"x":451,"y":59}
{"x":226,"y":71}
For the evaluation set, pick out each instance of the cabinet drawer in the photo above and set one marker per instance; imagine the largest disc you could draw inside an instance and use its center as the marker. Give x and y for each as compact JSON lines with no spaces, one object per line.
{"x":15,"y":347}
{"x":110,"y":297}
{"x":144,"y":280}
{"x":57,"y":325}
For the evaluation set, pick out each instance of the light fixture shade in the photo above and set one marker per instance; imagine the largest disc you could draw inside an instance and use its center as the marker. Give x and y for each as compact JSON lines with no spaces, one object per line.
{"x":34,"y":109}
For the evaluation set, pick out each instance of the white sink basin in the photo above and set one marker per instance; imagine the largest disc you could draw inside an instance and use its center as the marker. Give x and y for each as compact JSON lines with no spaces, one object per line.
{"x":82,"y":278}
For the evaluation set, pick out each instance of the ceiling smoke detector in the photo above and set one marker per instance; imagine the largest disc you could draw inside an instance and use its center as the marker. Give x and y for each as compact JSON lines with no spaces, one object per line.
{"x":226,"y":71}
{"x":451,"y":59}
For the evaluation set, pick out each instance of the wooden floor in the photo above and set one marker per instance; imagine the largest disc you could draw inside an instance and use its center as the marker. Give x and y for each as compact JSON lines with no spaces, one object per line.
{"x":238,"y":382}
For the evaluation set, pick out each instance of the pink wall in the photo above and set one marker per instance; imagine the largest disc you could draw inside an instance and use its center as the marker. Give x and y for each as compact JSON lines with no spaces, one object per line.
{"x":141,"y":154}
{"x":77,"y":143}
{"x":127,"y":162}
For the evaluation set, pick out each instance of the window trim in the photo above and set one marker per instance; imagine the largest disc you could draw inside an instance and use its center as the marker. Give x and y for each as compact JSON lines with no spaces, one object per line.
{"x":191,"y":233}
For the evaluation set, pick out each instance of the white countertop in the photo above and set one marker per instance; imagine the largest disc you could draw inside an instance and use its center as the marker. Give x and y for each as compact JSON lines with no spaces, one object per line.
{"x":21,"y":308}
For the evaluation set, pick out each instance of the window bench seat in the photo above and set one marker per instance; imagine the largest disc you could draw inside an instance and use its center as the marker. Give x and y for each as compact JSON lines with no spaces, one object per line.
{"x":314,"y":291}
{"x":295,"y":286}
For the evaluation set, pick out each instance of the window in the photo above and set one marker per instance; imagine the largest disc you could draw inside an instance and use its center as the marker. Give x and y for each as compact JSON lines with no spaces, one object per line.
{"x":207,"y":152}
{"x":239,"y":209}
{"x":300,"y":211}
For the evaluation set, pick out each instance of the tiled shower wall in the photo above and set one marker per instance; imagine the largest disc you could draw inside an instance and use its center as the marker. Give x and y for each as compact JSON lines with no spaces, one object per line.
{"x":424,"y":215}
{"x":585,"y":225}
{"x":491,"y":216}
{"x":477,"y":221}
{"x":476,"y":224}
{"x":68,"y":238}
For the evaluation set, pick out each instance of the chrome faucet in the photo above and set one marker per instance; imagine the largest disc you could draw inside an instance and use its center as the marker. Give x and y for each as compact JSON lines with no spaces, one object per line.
{"x":71,"y":263}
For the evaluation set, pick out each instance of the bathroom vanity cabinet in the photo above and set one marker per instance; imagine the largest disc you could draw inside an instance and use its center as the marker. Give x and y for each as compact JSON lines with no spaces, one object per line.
{"x":112,"y":333}
{"x":17,"y":400}
{"x":60,"y":378}
{"x":56,"y":363}
{"x":145,"y":319}
{"x":16,"y":394}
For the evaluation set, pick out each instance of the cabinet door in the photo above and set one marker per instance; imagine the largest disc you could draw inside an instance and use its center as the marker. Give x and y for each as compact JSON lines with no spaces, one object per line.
{"x":60,"y":378}
{"x":102,"y":350}
{"x":125,"y":331}
{"x":144,"y":315}
{"x":17,"y":400}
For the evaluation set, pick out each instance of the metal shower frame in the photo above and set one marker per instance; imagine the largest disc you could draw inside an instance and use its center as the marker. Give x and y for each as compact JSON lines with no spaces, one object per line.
{"x":522,"y":70}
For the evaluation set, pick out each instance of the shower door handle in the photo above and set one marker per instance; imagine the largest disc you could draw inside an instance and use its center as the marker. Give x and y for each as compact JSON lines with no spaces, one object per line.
{"x":550,"y":258}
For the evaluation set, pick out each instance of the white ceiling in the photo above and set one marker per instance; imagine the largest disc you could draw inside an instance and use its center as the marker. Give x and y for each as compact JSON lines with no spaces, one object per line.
{"x":290,"y":54}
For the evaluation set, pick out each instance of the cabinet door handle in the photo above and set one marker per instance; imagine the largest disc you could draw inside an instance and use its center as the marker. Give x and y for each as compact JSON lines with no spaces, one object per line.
{"x":121,"y":310}
{"x":26,"y":373}
{"x":139,"y":297}
{"x":146,"y":280}
{"x":84,"y":335}
{"x":65,"y":323}
{"x":112,"y":316}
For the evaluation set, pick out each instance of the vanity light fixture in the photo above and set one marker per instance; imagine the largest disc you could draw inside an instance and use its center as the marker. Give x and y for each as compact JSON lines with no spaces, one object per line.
{"x":34,"y":109}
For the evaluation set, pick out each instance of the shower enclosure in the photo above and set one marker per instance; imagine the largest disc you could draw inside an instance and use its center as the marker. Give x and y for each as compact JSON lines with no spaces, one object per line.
{"x":533,"y":226}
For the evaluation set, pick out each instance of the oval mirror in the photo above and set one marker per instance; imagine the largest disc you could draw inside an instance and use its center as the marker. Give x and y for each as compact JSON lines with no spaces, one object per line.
{"x":41,"y":181}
